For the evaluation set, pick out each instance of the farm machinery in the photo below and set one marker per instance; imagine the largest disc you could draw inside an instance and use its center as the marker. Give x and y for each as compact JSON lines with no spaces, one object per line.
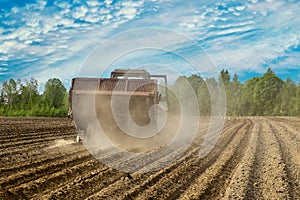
{"x":107,"y":101}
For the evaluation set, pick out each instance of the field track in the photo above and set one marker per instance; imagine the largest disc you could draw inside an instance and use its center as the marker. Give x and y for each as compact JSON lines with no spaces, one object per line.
{"x":254,"y":158}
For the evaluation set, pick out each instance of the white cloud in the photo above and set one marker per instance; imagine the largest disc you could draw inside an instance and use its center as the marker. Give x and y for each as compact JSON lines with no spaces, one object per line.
{"x":240,"y":8}
{"x":80,"y":12}
{"x":25,"y":34}
{"x":235,"y":24}
{"x":32,"y":22}
{"x":231,"y":9}
{"x":66,"y":22}
{"x":93,"y":3}
{"x":108,"y":2}
{"x":236,"y":13}
{"x":15,"y":10}
{"x":10,"y":46}
{"x":92,"y":18}
{"x":46,"y":27}
{"x":232,"y":31}
{"x":189,"y":25}
{"x":243,"y":41}
{"x":62,"y":5}
{"x":65,"y":12}
{"x":3,"y":69}
{"x":93,"y":10}
{"x":248,"y":41}
{"x":10,"y":22}
{"x":130,"y":9}
{"x":265,"y":7}
{"x":4,"y":58}
{"x":128,"y":13}
{"x":104,"y":11}
{"x":39,"y":5}
{"x":108,"y":16}
{"x":132,"y":3}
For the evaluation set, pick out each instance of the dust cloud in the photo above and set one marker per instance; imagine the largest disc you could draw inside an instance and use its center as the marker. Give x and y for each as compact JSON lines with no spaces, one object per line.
{"x":60,"y":143}
{"x":124,"y":127}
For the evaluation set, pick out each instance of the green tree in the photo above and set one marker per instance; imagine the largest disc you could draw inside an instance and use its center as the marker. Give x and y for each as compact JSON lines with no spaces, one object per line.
{"x":195,"y":81}
{"x":10,"y":91}
{"x":297,"y":101}
{"x":288,"y":98}
{"x":65,"y":108}
{"x":233,"y":94}
{"x":54,"y":93}
{"x":29,"y":94}
{"x":1,"y":95}
{"x":182,"y":88}
{"x":225,"y":77}
{"x":232,"y":91}
{"x":25,"y":100}
{"x":247,"y":106}
{"x":266,"y":93}
{"x":204,"y":100}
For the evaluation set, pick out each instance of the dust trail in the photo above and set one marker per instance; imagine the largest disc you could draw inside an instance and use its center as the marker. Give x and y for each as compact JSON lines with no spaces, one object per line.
{"x":60,"y":143}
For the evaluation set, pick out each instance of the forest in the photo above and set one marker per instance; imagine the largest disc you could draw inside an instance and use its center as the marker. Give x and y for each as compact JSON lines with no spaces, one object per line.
{"x":23,"y":98}
{"x":267,"y":95}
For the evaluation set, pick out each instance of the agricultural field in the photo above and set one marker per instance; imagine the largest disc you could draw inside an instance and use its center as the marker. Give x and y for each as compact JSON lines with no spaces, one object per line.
{"x":254,"y":158}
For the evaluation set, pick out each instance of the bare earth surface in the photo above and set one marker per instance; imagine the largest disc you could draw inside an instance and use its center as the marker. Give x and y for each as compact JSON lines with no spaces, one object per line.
{"x":254,"y":158}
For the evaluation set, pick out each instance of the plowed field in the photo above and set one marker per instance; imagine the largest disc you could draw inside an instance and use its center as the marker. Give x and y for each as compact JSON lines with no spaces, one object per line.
{"x":254,"y":158}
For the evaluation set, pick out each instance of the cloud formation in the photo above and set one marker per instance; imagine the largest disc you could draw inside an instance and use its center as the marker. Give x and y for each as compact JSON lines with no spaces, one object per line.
{"x":46,"y":39}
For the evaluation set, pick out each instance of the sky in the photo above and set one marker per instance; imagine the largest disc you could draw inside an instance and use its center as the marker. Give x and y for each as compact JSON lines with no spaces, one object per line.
{"x":53,"y":38}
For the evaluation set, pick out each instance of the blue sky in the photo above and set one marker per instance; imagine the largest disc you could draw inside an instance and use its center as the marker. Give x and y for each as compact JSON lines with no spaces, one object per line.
{"x":53,"y":38}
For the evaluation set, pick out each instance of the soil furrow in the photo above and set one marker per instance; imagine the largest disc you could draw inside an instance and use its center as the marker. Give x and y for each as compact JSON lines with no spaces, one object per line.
{"x":288,"y":152}
{"x":33,"y":141}
{"x":50,"y":182}
{"x":240,"y":183}
{"x":269,"y":177}
{"x":220,"y":181}
{"x":142,"y":180}
{"x":163,"y":157}
{"x":254,"y":158}
{"x":96,"y":183}
{"x":35,"y":173}
{"x":86,"y":175}
{"x":37,"y":136}
{"x":139,"y":177}
{"x":294,"y":134}
{"x":210,"y":181}
{"x":186,"y":171}
{"x":31,"y":174}
{"x":47,"y":159}
{"x":36,"y":132}
{"x":14,"y":152}
{"x":21,"y":131}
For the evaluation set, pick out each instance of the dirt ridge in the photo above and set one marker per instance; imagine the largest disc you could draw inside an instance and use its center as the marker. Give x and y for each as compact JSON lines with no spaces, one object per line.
{"x":254,"y":158}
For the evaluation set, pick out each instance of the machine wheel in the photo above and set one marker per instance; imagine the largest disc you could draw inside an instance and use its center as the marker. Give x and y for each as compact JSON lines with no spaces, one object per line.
{"x":78,"y":139}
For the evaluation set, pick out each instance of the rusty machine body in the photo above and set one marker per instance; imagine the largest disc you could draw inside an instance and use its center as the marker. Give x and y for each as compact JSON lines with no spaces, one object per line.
{"x":93,"y":96}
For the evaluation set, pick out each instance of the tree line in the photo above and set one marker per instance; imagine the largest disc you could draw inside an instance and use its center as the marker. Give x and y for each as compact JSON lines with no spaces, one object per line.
{"x":267,"y":95}
{"x":19,"y":98}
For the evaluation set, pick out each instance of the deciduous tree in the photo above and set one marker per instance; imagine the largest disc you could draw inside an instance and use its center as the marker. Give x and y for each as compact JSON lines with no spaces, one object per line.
{"x":266,"y":93}
{"x":54,"y":93}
